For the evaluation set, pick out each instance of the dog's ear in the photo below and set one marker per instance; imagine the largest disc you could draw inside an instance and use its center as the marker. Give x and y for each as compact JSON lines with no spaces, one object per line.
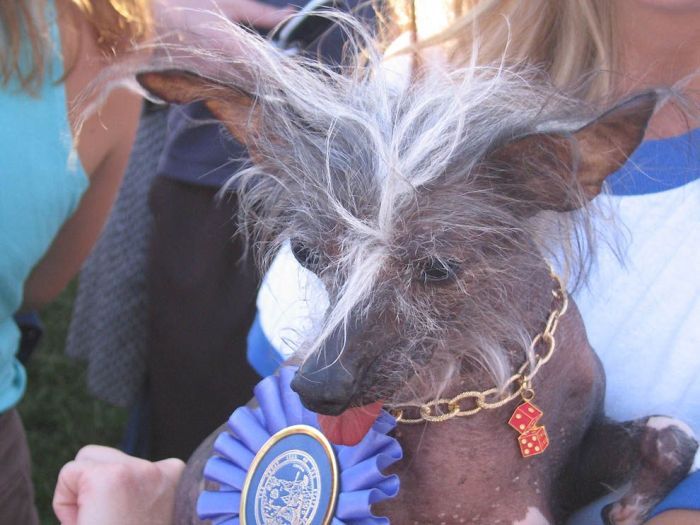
{"x":580,"y":156}
{"x":234,"y":108}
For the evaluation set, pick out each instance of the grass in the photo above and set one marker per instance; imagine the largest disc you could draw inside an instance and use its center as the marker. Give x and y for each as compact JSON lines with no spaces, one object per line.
{"x":59,"y":414}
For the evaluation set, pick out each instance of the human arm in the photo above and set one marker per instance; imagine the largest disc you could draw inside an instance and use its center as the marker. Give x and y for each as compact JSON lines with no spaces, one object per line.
{"x":103,"y":485}
{"x":79,"y":233}
{"x":103,"y":143}
{"x":195,"y":14}
{"x":676,"y":517}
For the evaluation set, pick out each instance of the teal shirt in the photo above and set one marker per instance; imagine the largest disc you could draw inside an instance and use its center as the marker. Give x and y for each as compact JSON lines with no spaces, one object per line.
{"x":41,"y":183}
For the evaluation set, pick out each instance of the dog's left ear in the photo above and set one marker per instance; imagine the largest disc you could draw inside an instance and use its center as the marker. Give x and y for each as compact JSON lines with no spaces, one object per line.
{"x":580,"y":156}
{"x":234,"y":108}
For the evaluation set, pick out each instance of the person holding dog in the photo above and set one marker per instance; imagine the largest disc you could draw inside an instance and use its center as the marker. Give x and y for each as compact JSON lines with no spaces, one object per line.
{"x":639,"y":302}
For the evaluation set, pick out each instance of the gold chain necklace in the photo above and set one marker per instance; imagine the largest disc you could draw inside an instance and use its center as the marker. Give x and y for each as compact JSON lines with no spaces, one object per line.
{"x":533,"y":439}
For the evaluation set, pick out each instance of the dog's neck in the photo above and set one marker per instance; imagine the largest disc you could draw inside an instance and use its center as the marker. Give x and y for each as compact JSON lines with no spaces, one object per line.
{"x":474,"y":440}
{"x":476,"y":459}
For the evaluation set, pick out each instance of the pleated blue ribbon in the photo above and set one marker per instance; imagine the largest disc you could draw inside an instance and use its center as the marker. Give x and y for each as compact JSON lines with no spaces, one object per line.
{"x":361,"y":481}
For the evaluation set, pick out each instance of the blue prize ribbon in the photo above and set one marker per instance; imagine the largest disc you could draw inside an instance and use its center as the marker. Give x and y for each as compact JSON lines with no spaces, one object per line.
{"x":274,"y":465}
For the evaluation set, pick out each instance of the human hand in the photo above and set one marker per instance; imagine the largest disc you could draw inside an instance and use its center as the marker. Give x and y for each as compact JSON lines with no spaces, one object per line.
{"x":103,"y":485}
{"x":187,"y":14}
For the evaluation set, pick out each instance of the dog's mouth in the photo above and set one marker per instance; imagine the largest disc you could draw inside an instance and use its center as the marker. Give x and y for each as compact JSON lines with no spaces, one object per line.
{"x":349,"y":426}
{"x":352,"y":425}
{"x":347,"y":405}
{"x":345,"y":420}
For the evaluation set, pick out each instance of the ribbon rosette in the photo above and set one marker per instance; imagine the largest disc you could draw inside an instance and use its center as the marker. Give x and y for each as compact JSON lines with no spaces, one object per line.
{"x":275,"y":467}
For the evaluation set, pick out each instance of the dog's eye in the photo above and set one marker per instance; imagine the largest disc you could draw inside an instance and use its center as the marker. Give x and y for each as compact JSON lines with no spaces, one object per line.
{"x":435,"y":270}
{"x":308,"y":258}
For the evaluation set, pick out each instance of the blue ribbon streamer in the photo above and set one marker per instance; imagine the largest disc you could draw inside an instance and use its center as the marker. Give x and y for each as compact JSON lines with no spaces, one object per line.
{"x":361,"y":483}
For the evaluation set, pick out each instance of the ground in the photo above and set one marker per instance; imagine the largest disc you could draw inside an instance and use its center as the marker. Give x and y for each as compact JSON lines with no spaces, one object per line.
{"x":59,"y":414}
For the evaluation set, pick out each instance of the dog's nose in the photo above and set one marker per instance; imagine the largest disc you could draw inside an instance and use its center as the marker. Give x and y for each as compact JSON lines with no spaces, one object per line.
{"x":324,"y":390}
{"x":328,"y":379}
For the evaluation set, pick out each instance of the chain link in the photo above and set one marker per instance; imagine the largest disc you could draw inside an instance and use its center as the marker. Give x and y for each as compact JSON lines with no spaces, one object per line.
{"x":518,"y":385}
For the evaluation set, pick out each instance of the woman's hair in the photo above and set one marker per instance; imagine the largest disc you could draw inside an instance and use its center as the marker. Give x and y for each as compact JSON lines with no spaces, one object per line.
{"x":571,"y":39}
{"x":24,"y":33}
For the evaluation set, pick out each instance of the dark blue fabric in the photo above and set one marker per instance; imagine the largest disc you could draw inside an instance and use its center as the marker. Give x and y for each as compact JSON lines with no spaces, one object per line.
{"x":676,"y":158}
{"x":684,"y":496}
{"x":200,"y":151}
{"x":197,"y":152}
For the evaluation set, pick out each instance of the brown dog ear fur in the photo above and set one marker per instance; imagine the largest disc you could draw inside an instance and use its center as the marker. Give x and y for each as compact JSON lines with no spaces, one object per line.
{"x":582,"y":158}
{"x":235,"y":109}
{"x":606,"y":143}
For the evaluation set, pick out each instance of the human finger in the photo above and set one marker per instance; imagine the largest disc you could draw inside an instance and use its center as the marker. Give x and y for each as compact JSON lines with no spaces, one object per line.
{"x":100,"y":454}
{"x":254,"y":13}
{"x":171,"y":468}
{"x":65,"y":496}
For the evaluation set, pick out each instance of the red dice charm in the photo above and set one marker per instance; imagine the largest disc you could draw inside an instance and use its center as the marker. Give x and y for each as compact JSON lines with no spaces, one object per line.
{"x":525,"y":417}
{"x":533,"y":439}
{"x":533,"y":442}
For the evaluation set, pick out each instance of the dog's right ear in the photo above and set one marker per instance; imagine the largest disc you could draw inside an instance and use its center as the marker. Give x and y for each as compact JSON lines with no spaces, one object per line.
{"x":580,"y":156}
{"x":234,"y":108}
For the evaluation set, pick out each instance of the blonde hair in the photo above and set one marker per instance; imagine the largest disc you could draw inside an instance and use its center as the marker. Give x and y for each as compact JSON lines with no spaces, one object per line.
{"x":116,"y":23}
{"x":573,"y":40}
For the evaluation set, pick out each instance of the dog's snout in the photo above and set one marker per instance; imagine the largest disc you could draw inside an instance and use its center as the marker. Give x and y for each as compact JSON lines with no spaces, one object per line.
{"x":329,"y":379}
{"x":323,"y":391}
